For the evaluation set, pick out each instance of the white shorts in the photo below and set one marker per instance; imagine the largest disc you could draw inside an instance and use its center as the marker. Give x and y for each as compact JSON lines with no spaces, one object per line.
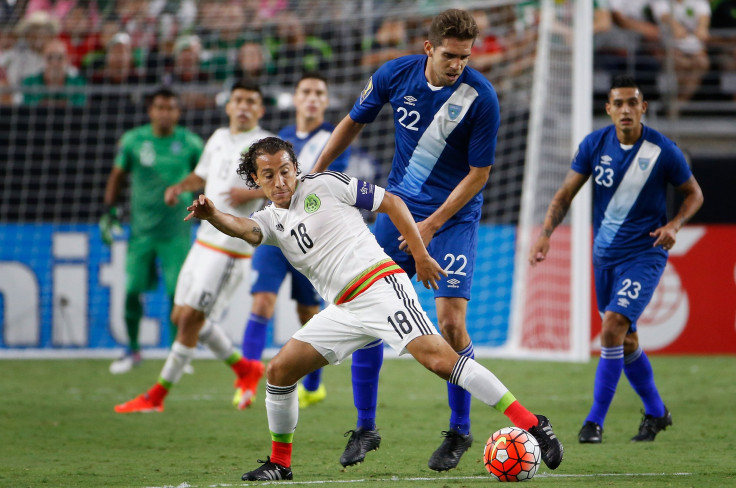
{"x":388,"y":310}
{"x":207,"y":280}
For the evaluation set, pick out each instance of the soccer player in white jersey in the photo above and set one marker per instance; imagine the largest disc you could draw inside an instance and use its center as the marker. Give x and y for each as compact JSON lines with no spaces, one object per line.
{"x":446,"y":118}
{"x":631,"y":166}
{"x":269,"y":266}
{"x":216,"y":263}
{"x":316,"y":223}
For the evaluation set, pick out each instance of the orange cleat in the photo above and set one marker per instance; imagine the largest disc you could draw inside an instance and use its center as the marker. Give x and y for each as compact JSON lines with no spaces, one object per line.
{"x":141,"y":403}
{"x":246,"y":386}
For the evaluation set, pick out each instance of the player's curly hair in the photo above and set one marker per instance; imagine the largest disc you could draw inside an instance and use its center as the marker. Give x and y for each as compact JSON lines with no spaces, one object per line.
{"x":267,"y":145}
{"x":454,"y":24}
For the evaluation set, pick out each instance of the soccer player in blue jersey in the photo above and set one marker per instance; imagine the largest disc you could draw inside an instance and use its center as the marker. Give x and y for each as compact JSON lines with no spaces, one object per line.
{"x":631,"y":166}
{"x":446,"y":118}
{"x":269,"y":266}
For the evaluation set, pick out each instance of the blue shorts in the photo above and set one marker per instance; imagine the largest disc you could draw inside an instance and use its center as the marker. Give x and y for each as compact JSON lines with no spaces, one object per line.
{"x":453,"y":248}
{"x":628,"y":287}
{"x":268,"y":270}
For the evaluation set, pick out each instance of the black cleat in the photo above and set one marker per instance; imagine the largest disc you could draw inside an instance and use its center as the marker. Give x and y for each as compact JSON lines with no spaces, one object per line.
{"x":268,"y":472}
{"x":591,"y":433}
{"x":550,"y":445}
{"x":447,"y":456}
{"x":650,"y":426}
{"x":361,"y":441}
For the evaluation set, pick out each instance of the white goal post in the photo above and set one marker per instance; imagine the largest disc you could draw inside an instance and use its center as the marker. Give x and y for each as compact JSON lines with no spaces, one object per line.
{"x":551,"y":302}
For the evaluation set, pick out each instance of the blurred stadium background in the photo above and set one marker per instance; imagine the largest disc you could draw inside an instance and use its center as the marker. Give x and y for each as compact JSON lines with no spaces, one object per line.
{"x":61,"y":289}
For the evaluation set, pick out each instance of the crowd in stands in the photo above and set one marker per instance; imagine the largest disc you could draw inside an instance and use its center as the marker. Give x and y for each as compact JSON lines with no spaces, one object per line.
{"x":51,"y":50}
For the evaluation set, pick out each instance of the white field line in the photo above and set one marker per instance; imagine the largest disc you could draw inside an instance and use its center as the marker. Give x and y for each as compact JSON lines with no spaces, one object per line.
{"x":420,"y":479}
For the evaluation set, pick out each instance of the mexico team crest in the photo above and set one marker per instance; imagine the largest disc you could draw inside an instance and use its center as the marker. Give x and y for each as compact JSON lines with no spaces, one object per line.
{"x":644,"y":163}
{"x":312,"y":203}
{"x":454,"y":110}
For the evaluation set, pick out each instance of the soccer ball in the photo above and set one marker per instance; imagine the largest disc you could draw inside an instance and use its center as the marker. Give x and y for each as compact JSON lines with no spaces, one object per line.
{"x":512,"y":454}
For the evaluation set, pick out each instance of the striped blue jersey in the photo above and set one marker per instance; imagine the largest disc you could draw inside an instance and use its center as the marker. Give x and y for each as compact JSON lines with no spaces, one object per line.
{"x":309,"y":147}
{"x":439,"y":133}
{"x":630,"y":190}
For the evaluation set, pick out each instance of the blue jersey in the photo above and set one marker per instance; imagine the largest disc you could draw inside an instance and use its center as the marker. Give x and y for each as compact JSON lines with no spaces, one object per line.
{"x":439,"y":133}
{"x":629,"y":194}
{"x":309,"y":147}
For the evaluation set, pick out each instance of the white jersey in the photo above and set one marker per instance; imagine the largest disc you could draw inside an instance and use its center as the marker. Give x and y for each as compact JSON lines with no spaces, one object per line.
{"x":324,"y":237}
{"x":217,"y":167}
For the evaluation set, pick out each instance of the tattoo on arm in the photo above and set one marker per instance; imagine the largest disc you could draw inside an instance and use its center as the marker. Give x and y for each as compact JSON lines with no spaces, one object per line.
{"x":555,"y":215}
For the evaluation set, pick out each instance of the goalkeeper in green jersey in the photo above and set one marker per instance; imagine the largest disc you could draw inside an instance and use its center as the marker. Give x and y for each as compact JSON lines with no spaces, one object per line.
{"x":156,"y":155}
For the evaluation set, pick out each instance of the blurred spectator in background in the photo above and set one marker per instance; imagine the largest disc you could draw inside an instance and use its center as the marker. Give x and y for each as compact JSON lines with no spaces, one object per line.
{"x":79,"y":34}
{"x":390,"y":41}
{"x":119,"y":68}
{"x":687,"y":23}
{"x":56,"y":9}
{"x":223,"y":44}
{"x":111,"y":96}
{"x":602,"y":19}
{"x":252,"y":65}
{"x":723,"y":43}
{"x":296,"y":52}
{"x":187,"y":75}
{"x":25,"y":58}
{"x":51,"y":86}
{"x":7,"y":40}
{"x":633,"y":45}
{"x":488,"y":49}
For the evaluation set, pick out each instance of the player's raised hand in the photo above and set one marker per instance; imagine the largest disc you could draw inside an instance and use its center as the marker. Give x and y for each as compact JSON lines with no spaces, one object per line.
{"x":429,"y":272}
{"x":539,"y":250}
{"x":201,"y":208}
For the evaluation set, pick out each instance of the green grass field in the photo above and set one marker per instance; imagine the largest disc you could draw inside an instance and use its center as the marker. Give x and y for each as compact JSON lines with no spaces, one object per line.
{"x":58,"y":428}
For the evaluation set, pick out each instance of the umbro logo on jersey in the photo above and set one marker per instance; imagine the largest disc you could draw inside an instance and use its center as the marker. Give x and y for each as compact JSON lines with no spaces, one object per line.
{"x":453,"y":283}
{"x":605,"y":159}
{"x":623,"y":302}
{"x":409,"y":100}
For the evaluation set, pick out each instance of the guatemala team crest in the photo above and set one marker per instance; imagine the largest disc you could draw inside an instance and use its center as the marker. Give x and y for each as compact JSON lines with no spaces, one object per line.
{"x":367,"y":90}
{"x":644,"y":163}
{"x":312,"y":203}
{"x":454,"y":110}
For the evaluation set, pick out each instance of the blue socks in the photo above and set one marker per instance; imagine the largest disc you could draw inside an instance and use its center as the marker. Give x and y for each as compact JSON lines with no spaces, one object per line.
{"x":606,"y":379}
{"x":254,"y":337}
{"x":459,"y":400}
{"x":639,"y":372}
{"x":365,"y":371}
{"x":312,"y":380}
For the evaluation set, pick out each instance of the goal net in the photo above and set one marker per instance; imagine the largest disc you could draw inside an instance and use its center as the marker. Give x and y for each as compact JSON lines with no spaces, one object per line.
{"x":62,"y":289}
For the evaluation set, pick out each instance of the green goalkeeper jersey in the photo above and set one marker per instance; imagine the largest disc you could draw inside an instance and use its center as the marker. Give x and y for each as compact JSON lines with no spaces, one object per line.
{"x":153,"y":164}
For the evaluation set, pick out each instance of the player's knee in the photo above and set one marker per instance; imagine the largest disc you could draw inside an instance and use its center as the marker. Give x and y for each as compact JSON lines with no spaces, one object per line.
{"x":264,"y":304}
{"x":614,"y":328}
{"x":278,"y":372}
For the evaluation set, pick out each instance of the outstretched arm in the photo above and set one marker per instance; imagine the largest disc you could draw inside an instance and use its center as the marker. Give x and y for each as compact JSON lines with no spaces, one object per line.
{"x":693,"y":201}
{"x":343,"y":135}
{"x":428,"y":271}
{"x":556,"y":212}
{"x":246,"y":229}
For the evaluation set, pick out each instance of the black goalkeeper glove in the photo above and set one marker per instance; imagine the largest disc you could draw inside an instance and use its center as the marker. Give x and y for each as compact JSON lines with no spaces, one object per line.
{"x":110,"y":224}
